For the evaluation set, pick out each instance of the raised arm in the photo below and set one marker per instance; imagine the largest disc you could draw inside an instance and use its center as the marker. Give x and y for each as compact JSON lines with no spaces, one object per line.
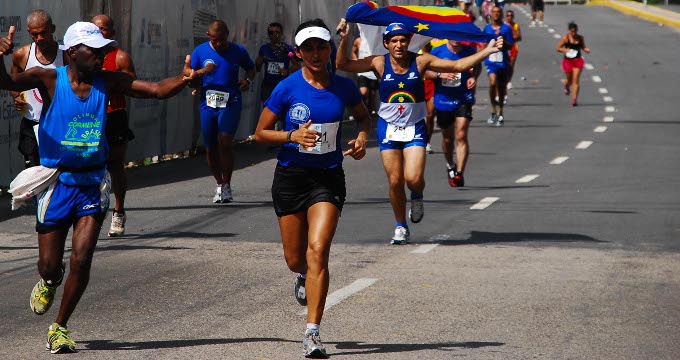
{"x":125,"y":84}
{"x":440,"y":65}
{"x":342,"y":62}
{"x":34,"y":78}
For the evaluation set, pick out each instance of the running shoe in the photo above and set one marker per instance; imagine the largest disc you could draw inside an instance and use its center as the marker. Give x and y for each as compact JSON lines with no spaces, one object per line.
{"x":312,"y":345}
{"x":117,"y":224}
{"x":42,"y":295}
{"x":574,"y":103}
{"x":227,"y":196}
{"x":505,"y":99}
{"x":492,"y":119}
{"x":566,"y":89}
{"x":500,"y":121}
{"x":58,"y":341}
{"x":456,"y":178}
{"x":217,"y":199}
{"x":417,"y":210}
{"x":450,"y":174}
{"x":540,"y":23}
{"x":401,"y":236}
{"x":533,"y":24}
{"x":299,"y":291}
{"x":428,"y":148}
{"x":509,"y":86}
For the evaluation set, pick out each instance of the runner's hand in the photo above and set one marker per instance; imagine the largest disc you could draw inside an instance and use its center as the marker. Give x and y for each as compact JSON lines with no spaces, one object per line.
{"x":19,"y":102}
{"x":188,"y":72}
{"x":7,"y":43}
{"x":358,"y":148}
{"x":447,"y":76}
{"x":244,"y":85}
{"x":495,"y":45}
{"x":342,"y":29}
{"x":305,"y":136}
{"x":471,"y":83}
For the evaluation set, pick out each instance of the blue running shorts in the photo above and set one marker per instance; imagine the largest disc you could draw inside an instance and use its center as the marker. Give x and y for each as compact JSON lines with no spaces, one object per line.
{"x":420,"y":138}
{"x":219,"y":120}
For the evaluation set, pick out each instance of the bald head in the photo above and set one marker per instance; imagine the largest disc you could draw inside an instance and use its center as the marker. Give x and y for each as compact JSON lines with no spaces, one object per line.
{"x":38,"y":18}
{"x":105,"y":24}
{"x":218,"y":26}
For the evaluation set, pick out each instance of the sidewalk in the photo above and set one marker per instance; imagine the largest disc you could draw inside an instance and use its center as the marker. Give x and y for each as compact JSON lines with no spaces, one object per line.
{"x":666,"y":15}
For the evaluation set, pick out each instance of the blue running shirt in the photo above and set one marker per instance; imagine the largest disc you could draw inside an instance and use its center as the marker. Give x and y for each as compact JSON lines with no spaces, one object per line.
{"x":402,"y":96}
{"x":297,"y":101}
{"x":500,"y":59}
{"x":71,"y":132}
{"x":275,"y":58}
{"x":225,"y":77}
{"x":449,"y":94}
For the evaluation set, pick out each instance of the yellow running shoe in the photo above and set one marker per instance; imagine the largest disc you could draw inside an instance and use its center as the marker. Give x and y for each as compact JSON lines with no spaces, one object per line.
{"x":42,"y":297}
{"x":58,"y":341}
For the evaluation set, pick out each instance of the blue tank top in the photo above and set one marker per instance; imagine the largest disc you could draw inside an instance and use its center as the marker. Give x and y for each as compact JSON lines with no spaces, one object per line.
{"x":402,"y":96}
{"x":71,"y":132}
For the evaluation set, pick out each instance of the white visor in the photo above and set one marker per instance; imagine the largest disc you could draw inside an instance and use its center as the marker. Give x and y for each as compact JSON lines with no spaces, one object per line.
{"x":312,"y":32}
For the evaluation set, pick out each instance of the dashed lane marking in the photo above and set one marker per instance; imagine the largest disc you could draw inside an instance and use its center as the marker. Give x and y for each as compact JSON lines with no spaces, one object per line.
{"x":608,"y":119}
{"x":609,"y":109}
{"x":597,"y":79}
{"x":590,"y":67}
{"x":603,"y":91}
{"x":607,"y":99}
{"x":339,"y":295}
{"x":556,"y":36}
{"x":584,"y":145}
{"x":600,"y":129}
{"x":527,"y":178}
{"x":423,"y":249}
{"x":484,"y":203}
{"x":559,"y":160}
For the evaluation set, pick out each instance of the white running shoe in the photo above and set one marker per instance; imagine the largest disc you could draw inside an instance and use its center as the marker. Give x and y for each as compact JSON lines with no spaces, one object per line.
{"x":401,"y":236}
{"x":505,"y":100}
{"x":492,"y":119}
{"x":227,"y":195}
{"x":509,"y":86}
{"x":540,"y":23}
{"x":417,"y":210}
{"x":500,"y":121}
{"x":117,"y":224}
{"x":217,"y":199}
{"x":428,"y":148}
{"x":313,"y":348}
{"x":533,"y":24}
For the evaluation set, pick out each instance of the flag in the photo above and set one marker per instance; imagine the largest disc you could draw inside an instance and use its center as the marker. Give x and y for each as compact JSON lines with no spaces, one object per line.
{"x":429,"y":21}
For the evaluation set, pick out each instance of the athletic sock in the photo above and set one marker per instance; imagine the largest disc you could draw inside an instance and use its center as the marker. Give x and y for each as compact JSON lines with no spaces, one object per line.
{"x":449,"y":166}
{"x":416,"y":196}
{"x":312,"y":327}
{"x":402,"y":224}
{"x":302,"y":276}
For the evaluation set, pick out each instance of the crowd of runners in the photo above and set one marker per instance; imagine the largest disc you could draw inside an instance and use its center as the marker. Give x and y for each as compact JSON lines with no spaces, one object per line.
{"x":73,"y":164}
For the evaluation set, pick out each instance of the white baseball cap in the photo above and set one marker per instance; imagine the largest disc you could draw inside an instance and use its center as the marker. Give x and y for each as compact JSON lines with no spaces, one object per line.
{"x":85,"y":33}
{"x":312,"y":32}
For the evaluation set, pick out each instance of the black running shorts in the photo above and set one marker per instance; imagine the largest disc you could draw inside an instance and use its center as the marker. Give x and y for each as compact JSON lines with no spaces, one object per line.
{"x":28,"y":144}
{"x":296,"y":189}
{"x":537,"y":5}
{"x":371,"y":84}
{"x":447,"y":118}
{"x":118,"y":128}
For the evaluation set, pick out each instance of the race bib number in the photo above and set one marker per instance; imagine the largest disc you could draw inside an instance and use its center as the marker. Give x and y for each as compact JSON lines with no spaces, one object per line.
{"x":216,"y":99}
{"x":496,"y":57}
{"x":325,"y":141}
{"x":274,"y":67}
{"x":455,"y":82}
{"x":400,"y":133}
{"x":572,"y":53}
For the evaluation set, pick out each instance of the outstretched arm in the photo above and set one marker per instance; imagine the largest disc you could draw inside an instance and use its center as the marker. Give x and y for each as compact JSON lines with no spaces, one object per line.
{"x":124,"y":83}
{"x":342,"y":62}
{"x":440,"y":65}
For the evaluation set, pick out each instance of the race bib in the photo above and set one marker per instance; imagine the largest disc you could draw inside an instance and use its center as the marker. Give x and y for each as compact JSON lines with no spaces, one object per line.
{"x":455,"y":82}
{"x":216,"y":99}
{"x":496,"y":57}
{"x":325,"y":141}
{"x":572,"y":53}
{"x":400,"y":133}
{"x":274,"y":67}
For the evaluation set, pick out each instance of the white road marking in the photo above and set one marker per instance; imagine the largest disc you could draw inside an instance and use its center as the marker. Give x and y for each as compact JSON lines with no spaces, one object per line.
{"x":556,"y":36}
{"x":584,"y":145}
{"x":551,"y":30}
{"x":600,"y":129}
{"x":597,"y":79}
{"x":423,"y":249}
{"x":610,"y":109}
{"x":339,"y":295}
{"x":527,"y":178}
{"x":608,"y":119}
{"x":559,"y":160}
{"x":607,"y":98}
{"x":590,"y":67}
{"x":603,"y":90}
{"x":484,"y":203}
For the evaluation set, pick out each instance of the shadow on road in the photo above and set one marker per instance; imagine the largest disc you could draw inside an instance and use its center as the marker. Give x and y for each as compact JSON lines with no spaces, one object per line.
{"x":168,"y":344}
{"x":365,"y":349}
{"x":484,"y":237}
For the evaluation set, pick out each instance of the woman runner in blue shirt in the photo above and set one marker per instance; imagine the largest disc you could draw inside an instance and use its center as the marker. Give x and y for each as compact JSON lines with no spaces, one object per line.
{"x":309,"y":184}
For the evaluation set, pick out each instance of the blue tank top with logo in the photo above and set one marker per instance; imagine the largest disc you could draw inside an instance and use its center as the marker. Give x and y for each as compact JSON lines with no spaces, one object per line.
{"x":402,"y":96}
{"x":71,"y":132}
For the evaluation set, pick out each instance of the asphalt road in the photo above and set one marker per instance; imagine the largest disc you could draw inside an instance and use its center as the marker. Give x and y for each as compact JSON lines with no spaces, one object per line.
{"x":582,"y":262}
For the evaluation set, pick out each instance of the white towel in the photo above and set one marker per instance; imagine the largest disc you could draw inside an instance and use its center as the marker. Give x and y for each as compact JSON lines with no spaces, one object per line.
{"x":30,"y":183}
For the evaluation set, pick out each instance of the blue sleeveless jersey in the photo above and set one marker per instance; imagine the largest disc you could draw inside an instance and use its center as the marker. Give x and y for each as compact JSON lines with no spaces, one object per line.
{"x":449,"y":94}
{"x":71,"y":132}
{"x":402,"y":97}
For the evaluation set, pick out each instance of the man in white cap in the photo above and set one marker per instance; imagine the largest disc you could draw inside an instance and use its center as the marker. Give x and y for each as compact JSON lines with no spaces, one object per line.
{"x":74,"y":148}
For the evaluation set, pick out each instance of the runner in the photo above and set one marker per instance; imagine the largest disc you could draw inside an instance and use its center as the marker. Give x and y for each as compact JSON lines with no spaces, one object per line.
{"x":497,"y":66}
{"x":537,"y":6}
{"x":401,"y":129}
{"x":118,"y":131}
{"x":571,"y":46}
{"x":514,"y":51}
{"x":44,"y":52}
{"x":309,"y":182}
{"x":453,"y":98}
{"x":429,"y":102}
{"x":368,"y":83}
{"x":73,"y":155}
{"x":221,"y":102}
{"x":274,"y":57}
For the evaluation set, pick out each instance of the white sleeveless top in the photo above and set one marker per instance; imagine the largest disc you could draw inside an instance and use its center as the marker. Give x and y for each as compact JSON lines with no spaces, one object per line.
{"x":363,"y":52}
{"x":32,"y":97}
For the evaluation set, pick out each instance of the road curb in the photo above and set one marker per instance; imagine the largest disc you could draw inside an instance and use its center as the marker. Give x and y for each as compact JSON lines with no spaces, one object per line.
{"x":622,"y":6}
